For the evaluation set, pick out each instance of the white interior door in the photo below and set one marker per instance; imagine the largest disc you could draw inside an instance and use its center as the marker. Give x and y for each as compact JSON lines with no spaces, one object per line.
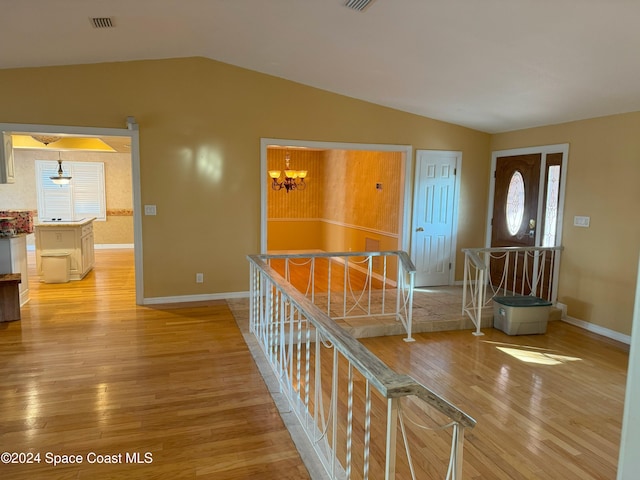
{"x":434,"y":217}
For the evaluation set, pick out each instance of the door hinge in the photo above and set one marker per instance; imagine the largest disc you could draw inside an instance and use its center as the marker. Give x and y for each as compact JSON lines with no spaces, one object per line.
{"x":455,"y":172}
{"x":449,"y":265}
{"x":494,"y":174}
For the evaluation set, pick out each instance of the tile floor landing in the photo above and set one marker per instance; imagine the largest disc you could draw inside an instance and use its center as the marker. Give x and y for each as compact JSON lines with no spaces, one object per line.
{"x":435,"y":309}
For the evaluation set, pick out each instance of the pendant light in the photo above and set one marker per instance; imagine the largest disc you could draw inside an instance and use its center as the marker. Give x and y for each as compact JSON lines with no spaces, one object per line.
{"x":61,"y":178}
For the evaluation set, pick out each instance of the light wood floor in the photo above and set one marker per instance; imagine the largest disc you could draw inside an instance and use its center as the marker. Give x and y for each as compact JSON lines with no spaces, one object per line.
{"x":86,"y":370}
{"x":547,"y":406}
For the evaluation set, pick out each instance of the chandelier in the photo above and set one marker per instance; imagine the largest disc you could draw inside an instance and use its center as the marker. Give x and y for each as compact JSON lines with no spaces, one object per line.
{"x":293,"y":179}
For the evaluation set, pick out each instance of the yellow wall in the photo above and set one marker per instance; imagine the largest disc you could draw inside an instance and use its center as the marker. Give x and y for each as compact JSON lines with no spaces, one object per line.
{"x":599,"y":263}
{"x":200,"y":127}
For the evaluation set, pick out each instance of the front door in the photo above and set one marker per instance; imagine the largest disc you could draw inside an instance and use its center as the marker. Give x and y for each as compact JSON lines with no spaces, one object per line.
{"x":526,"y":213}
{"x":515,"y":201}
{"x":515,"y":217}
{"x":433,"y":239}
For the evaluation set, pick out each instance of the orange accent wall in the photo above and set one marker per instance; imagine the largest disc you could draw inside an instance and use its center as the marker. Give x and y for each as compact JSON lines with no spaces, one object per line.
{"x":341,"y":203}
{"x":305,"y":203}
{"x":287,"y":235}
{"x":350,"y":194}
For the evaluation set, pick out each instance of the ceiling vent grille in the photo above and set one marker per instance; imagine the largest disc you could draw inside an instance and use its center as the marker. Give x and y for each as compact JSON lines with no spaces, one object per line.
{"x":102,"y":22}
{"x":358,"y":5}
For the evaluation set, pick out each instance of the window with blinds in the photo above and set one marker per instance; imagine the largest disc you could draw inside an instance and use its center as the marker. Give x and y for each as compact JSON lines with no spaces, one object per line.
{"x":83,"y":197}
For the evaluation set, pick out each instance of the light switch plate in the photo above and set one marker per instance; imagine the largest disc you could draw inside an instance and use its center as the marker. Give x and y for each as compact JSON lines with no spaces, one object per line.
{"x":149,"y":209}
{"x":579,"y":221}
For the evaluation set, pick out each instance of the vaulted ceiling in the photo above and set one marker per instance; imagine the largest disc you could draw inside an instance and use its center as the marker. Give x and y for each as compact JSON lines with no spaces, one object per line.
{"x":492,"y":65}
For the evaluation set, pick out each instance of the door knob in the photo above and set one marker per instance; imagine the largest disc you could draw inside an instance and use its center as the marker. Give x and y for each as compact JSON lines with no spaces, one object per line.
{"x":419,"y":229}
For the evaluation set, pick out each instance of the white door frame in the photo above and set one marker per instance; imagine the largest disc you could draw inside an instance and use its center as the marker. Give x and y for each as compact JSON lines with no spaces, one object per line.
{"x":456,"y":202}
{"x":544,"y":150}
{"x":132,"y":132}
{"x":406,"y":172}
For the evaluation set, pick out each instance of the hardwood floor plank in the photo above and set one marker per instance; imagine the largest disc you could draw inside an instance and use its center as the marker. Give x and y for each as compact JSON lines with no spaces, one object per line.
{"x":548,"y":406}
{"x":86,"y":370}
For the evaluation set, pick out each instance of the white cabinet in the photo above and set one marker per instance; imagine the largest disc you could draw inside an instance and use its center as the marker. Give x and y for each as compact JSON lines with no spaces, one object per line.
{"x":74,"y":238}
{"x":13,"y":259}
{"x":7,"y":168}
{"x":86,"y":247}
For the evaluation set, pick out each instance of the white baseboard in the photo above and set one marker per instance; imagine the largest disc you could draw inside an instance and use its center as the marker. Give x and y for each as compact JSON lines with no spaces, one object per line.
{"x":605,"y":332}
{"x":194,"y":298}
{"x":97,"y":246}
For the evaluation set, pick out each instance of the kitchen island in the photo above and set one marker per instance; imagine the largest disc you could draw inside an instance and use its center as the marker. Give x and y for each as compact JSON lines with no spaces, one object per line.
{"x":75,"y":238}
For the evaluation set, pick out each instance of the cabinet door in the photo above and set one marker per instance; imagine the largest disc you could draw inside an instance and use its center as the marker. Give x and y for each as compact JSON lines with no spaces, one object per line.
{"x":7,"y":170}
{"x":87,"y":253}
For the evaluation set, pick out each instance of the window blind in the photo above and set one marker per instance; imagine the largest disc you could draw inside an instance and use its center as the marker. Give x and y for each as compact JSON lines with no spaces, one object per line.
{"x":83,"y":197}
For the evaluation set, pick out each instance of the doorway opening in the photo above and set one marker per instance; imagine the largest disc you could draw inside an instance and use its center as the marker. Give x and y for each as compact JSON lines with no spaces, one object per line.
{"x":342,"y":206}
{"x":124,"y":140}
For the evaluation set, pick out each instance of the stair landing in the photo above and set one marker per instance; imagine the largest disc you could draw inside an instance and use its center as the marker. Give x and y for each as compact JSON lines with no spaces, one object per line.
{"x":435,"y":309}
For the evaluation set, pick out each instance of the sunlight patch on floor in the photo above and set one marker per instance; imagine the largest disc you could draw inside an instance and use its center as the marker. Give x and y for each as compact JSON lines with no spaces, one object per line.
{"x":541,"y":358}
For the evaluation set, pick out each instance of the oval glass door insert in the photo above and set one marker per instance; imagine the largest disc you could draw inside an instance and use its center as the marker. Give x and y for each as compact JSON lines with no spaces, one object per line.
{"x":514,"y":210}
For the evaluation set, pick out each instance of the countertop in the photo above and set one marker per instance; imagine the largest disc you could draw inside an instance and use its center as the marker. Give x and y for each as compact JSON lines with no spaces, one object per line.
{"x":17,"y":235}
{"x":65,"y":223}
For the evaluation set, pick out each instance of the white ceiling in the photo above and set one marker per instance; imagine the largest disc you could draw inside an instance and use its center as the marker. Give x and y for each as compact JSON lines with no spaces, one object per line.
{"x":492,"y":65}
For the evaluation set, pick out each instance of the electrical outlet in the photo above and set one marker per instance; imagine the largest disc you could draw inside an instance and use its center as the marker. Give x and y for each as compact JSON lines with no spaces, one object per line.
{"x":199,"y":277}
{"x":149,"y":209}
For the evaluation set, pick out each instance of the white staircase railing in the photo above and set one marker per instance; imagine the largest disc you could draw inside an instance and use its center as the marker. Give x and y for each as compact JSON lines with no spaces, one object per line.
{"x":516,"y":271}
{"x":349,"y":403}
{"x":347,"y":285}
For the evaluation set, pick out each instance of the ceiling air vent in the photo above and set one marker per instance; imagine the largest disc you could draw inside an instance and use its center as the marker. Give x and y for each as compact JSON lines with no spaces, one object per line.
{"x":358,"y":5}
{"x":102,"y":22}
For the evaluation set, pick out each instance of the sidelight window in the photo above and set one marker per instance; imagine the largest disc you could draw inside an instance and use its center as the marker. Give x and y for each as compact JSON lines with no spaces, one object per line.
{"x":551,"y":206}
